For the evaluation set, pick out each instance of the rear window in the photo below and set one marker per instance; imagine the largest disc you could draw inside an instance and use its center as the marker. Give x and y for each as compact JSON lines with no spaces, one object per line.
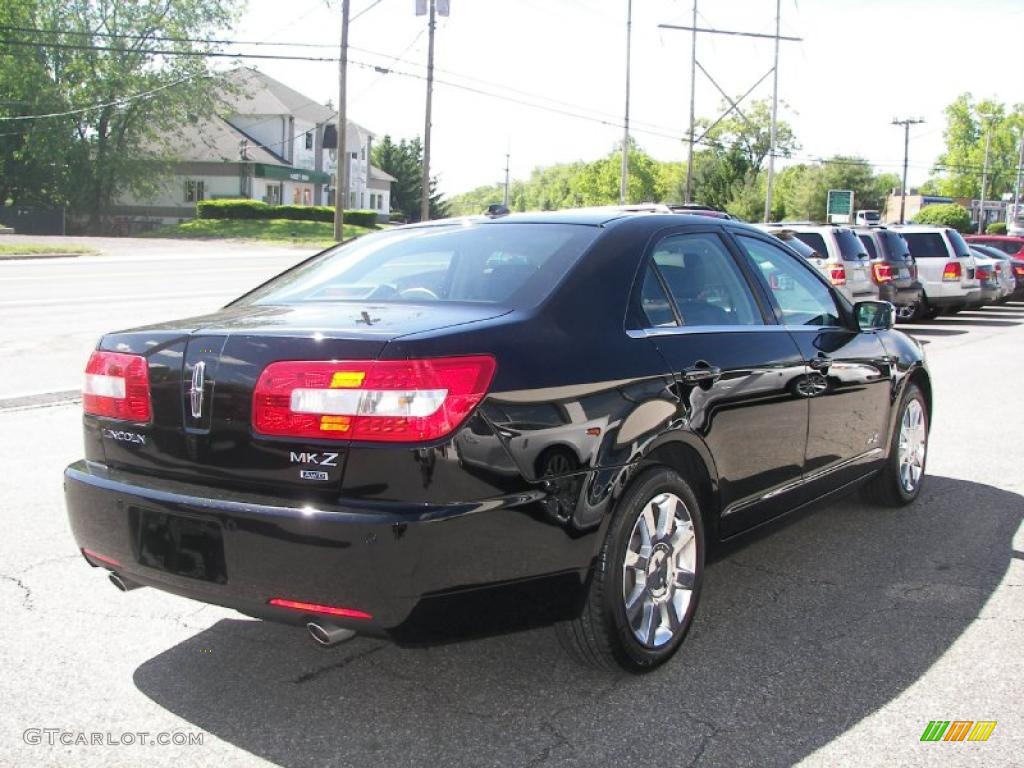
{"x":894,"y":245}
{"x":926,"y":245}
{"x":850,"y":246}
{"x":816,"y":241}
{"x":491,"y":263}
{"x":798,"y":245}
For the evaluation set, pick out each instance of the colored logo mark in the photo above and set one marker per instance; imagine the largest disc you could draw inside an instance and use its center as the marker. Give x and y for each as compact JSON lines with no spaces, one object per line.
{"x":958,"y":730}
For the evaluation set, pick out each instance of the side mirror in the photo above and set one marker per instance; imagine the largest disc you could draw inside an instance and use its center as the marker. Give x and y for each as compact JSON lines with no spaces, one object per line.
{"x":874,"y":315}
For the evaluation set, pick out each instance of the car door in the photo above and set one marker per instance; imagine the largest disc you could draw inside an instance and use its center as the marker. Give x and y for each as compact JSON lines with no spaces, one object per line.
{"x":735,"y":372}
{"x":851,"y":379}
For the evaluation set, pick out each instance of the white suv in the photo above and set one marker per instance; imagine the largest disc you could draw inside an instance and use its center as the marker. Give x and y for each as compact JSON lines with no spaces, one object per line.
{"x":840,"y":245}
{"x":945,"y":267}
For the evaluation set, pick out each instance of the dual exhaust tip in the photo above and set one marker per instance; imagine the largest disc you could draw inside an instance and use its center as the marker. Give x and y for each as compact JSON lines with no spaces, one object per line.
{"x":323,"y":633}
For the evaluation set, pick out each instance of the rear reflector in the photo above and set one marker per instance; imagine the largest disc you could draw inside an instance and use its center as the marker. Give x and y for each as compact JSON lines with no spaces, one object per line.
{"x":952,"y":271}
{"x":117,"y":386}
{"x":374,"y":400}
{"x":101,"y":559}
{"x":329,"y":610}
{"x":837,"y":274}
{"x":882,"y":272}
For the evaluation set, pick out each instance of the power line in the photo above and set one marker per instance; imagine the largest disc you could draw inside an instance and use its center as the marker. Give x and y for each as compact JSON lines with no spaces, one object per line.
{"x":157,"y":38}
{"x":116,"y":103}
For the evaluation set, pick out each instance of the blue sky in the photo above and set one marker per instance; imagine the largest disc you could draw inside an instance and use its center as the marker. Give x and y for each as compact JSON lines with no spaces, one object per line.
{"x":860,"y":64}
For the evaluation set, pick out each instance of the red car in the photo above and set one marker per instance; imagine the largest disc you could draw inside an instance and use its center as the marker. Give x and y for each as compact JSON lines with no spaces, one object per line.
{"x":1009,"y":244}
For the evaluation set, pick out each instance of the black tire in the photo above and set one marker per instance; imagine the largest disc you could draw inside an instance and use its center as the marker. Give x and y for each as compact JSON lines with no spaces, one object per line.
{"x":887,"y":488}
{"x":602,"y":635}
{"x":924,"y":311}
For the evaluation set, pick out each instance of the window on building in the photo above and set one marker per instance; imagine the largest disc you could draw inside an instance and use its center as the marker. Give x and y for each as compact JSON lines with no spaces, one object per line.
{"x":362,"y":153}
{"x":373,"y":200}
{"x":309,"y":139}
{"x":351,"y":199}
{"x":355,"y":155}
{"x":194,"y":191}
{"x":307,"y":196}
{"x":296,"y":196}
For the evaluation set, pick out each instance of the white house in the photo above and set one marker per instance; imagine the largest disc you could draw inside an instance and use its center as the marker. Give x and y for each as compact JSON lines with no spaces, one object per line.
{"x":270,"y":143}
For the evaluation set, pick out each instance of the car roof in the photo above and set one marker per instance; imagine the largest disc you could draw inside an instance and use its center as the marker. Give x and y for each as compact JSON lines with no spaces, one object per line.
{"x":594,"y":217}
{"x":919,"y":228}
{"x":1006,"y":238}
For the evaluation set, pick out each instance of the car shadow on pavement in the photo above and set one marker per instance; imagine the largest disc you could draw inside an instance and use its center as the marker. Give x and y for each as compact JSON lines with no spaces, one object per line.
{"x":800,"y":635}
{"x":971,"y":321}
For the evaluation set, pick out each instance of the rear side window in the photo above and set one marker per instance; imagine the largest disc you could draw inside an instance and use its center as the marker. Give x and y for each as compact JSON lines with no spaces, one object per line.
{"x":926,"y":245}
{"x":816,"y":241}
{"x":704,"y":281}
{"x":895,"y":246}
{"x":959,"y":244}
{"x":869,"y":245}
{"x":510,"y":263}
{"x":850,"y":246}
{"x":655,"y":307}
{"x":801,"y":296}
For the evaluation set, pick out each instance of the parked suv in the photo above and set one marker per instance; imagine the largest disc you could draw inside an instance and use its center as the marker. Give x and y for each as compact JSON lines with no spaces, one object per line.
{"x":832,"y":268}
{"x":1012,"y":274}
{"x":841,"y":244}
{"x":893,"y":269}
{"x":945,"y":268}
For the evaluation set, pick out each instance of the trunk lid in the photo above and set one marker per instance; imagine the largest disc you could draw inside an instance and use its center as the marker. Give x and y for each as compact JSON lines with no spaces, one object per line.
{"x":203,"y":371}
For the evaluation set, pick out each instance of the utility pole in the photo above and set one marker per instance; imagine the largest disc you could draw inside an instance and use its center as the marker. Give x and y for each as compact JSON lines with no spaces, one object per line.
{"x":425,"y":193}
{"x":984,"y":182}
{"x":688,"y":195}
{"x":1016,"y":188}
{"x":624,"y":174}
{"x":775,"y":116}
{"x":733,"y":104}
{"x":341,"y":171}
{"x":506,"y":178}
{"x":906,"y":123}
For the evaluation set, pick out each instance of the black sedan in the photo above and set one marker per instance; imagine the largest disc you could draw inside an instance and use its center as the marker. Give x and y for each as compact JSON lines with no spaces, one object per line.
{"x":484,"y":424}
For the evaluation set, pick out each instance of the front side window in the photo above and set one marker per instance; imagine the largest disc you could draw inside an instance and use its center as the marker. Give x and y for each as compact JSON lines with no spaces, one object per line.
{"x":704,"y":281}
{"x":802,"y":297}
{"x":516,"y":264}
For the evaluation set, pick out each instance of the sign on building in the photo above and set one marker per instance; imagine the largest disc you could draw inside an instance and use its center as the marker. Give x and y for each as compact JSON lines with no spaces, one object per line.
{"x":839,"y":206}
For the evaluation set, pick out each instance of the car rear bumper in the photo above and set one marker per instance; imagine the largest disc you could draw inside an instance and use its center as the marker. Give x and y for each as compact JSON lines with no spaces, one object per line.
{"x":408,"y":566}
{"x":966,"y":299}
{"x":905,"y":296}
{"x":986,"y":295}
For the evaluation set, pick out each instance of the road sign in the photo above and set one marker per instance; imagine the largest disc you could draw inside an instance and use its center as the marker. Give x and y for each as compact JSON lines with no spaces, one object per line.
{"x":839,"y":207}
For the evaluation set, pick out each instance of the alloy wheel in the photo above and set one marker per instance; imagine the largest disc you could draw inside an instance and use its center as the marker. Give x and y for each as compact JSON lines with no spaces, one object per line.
{"x":659,"y":570}
{"x":913,"y":443}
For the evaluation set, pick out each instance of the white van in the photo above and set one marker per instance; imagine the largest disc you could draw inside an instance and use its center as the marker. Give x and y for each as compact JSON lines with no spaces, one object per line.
{"x":868,"y":219}
{"x":945,"y":267}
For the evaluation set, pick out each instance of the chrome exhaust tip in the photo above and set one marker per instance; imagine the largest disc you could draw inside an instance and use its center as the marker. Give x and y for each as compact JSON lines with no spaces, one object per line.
{"x":123,"y":584}
{"x":326,"y":634}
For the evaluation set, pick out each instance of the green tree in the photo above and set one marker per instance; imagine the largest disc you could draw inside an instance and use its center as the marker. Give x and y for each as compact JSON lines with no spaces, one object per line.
{"x":945,"y":215}
{"x":115,"y":103}
{"x":404,"y":161}
{"x":967,"y":124}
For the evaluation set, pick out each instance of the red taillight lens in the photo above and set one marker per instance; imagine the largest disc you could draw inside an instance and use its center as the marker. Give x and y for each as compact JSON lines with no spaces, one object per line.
{"x":952,"y":271}
{"x":882,"y":272}
{"x":983,"y":273}
{"x":117,"y":386}
{"x":837,"y":274}
{"x":1018,"y":269}
{"x":376,"y":400}
{"x":330,"y":610}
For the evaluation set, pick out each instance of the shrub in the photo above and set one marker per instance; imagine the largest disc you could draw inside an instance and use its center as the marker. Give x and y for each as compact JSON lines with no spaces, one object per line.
{"x":257,"y":209}
{"x":945,"y":215}
{"x":996,"y":228}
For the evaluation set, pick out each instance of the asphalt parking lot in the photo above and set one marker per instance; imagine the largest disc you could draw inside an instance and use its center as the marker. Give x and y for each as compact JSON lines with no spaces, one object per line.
{"x":832,"y":641}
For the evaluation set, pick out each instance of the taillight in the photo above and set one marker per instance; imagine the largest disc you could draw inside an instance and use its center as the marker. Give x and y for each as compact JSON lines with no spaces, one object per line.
{"x":982,"y":273}
{"x":882,"y":272}
{"x":837,"y":274}
{"x":953,"y":271}
{"x":1018,"y":269}
{"x":117,"y":386}
{"x":376,"y":400}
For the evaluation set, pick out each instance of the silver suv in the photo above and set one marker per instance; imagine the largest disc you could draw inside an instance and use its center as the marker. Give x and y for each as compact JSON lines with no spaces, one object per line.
{"x":945,"y":267}
{"x":840,"y":245}
{"x":834,"y":269}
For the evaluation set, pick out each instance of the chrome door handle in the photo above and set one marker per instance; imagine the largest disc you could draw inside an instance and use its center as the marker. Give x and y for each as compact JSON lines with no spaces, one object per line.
{"x":699,"y":373}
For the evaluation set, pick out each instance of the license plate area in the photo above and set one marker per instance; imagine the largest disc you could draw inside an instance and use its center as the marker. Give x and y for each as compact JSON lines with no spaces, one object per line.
{"x":183,"y":545}
{"x":904,"y":273}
